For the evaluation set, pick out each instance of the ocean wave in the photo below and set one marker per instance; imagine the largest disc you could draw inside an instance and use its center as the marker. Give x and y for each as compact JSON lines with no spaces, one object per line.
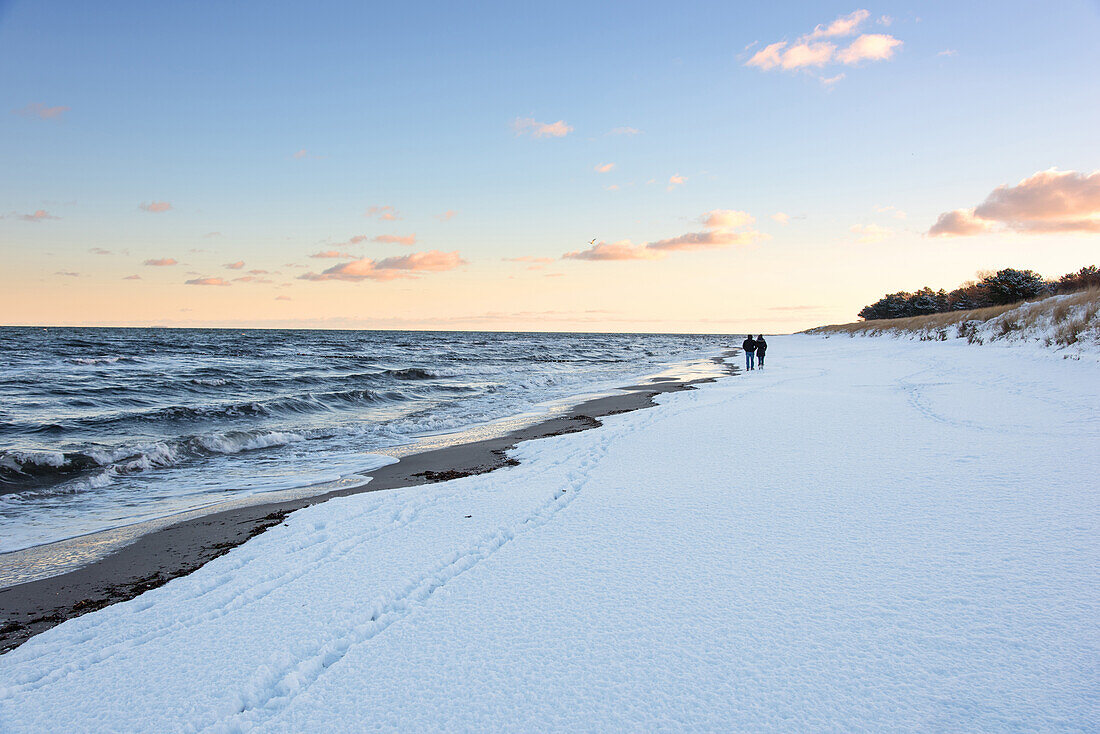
{"x":100,"y":360}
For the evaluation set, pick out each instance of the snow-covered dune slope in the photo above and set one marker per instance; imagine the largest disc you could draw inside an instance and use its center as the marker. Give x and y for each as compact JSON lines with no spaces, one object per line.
{"x":869,"y":534}
{"x":1068,"y":324}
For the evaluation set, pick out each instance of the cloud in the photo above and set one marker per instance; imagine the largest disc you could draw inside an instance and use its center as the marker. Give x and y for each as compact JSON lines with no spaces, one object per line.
{"x":393,"y":239}
{"x":810,"y":51}
{"x":845,"y":25}
{"x":162,"y":262}
{"x":947,"y":52}
{"x":300,"y":154}
{"x":207,"y":281}
{"x":624,"y":131}
{"x":781,"y":218}
{"x":871,"y":233}
{"x":530,"y":126}
{"x":724,"y":228}
{"x":1045,"y":202}
{"x":132,"y":277}
{"x":385,"y":213}
{"x":67,"y":274}
{"x":235,"y":266}
{"x":447,"y":215}
{"x":391,"y":267}
{"x":869,"y":47}
{"x":621,"y":250}
{"x":259,"y":272}
{"x":676,"y":180}
{"x":155,"y":207}
{"x":41,"y":111}
{"x":604,"y":167}
{"x":283,"y":298}
{"x":252,"y":279}
{"x":99,"y":251}
{"x":706,"y":240}
{"x":892,"y":211}
{"x":40,"y":215}
{"x":331,"y":254}
{"x":212,"y":234}
{"x":726,"y":219}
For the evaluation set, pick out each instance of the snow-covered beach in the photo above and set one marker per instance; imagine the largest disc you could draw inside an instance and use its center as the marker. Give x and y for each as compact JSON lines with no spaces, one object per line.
{"x":869,"y":534}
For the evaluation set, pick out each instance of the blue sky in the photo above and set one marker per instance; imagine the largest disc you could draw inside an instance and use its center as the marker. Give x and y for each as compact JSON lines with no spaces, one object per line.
{"x":204,"y":106}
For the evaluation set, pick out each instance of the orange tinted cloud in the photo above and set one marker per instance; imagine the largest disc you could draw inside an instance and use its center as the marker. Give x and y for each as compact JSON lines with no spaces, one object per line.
{"x":386,"y":213}
{"x":449,"y":214}
{"x":706,"y":240}
{"x":536,"y":129}
{"x":396,"y":239}
{"x":604,"y":167}
{"x":132,"y":277}
{"x":40,"y":215}
{"x":207,"y":281}
{"x":41,"y":111}
{"x":871,"y":233}
{"x":869,"y":47}
{"x":235,"y":266}
{"x":726,"y":218}
{"x":334,"y":254}
{"x":1047,"y":201}
{"x":155,"y":207}
{"x":845,"y":25}
{"x":676,"y":180}
{"x":621,"y":250}
{"x":162,"y":262}
{"x":390,"y":267}
{"x":781,"y":218}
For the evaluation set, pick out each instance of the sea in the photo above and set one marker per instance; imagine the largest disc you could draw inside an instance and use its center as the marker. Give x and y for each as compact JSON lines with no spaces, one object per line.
{"x":105,"y":427}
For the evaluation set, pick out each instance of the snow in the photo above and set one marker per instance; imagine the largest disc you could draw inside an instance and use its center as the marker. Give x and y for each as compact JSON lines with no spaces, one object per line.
{"x":869,"y":534}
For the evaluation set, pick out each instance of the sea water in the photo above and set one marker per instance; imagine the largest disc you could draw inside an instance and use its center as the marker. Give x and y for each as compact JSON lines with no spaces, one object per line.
{"x":105,"y":427}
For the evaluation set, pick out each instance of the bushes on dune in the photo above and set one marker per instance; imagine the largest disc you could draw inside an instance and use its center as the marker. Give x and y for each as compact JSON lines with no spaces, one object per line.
{"x":994,"y":289}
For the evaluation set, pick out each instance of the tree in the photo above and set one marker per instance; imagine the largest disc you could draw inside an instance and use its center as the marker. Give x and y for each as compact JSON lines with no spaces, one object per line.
{"x":1010,"y":286}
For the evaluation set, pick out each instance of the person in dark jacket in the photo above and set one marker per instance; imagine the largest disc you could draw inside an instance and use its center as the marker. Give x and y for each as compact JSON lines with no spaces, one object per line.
{"x":749,"y":345}
{"x":761,"y":347}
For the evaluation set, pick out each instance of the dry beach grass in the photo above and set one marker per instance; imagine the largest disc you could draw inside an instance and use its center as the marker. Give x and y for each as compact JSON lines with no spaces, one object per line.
{"x":1057,"y":321}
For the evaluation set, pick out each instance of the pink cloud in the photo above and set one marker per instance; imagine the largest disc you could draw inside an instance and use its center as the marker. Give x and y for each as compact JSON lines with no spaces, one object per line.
{"x":726,"y":219}
{"x":41,"y":215}
{"x":156,"y":207}
{"x":385,"y":213}
{"x":252,"y":279}
{"x":604,"y":167}
{"x":258,"y":272}
{"x":391,"y":267}
{"x":781,"y":218}
{"x":810,"y":51}
{"x":869,"y":47}
{"x":530,"y":126}
{"x":132,"y":277}
{"x":99,"y":251}
{"x":845,"y":25}
{"x":283,"y":298}
{"x":207,"y":281}
{"x":621,"y":250}
{"x":396,"y":239}
{"x":722,"y":230}
{"x":235,"y":266}
{"x":706,"y":240}
{"x":162,"y":262}
{"x":1045,"y":202}
{"x":447,"y":215}
{"x":41,"y":111}
{"x":676,"y":180}
{"x":330,"y":254}
{"x":300,"y":154}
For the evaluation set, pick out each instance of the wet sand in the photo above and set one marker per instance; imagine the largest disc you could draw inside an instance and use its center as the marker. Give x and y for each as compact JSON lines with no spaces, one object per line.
{"x":29,"y":608}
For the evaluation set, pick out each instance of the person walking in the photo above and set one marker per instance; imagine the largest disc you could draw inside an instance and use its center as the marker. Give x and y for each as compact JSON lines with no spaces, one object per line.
{"x":761,"y":347}
{"x":749,"y":345}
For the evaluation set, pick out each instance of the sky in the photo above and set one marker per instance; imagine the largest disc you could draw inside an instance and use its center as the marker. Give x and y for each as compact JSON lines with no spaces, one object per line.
{"x":673,"y":167}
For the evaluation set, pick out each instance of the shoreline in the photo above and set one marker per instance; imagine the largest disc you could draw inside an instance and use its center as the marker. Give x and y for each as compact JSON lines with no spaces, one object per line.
{"x":184,"y":546}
